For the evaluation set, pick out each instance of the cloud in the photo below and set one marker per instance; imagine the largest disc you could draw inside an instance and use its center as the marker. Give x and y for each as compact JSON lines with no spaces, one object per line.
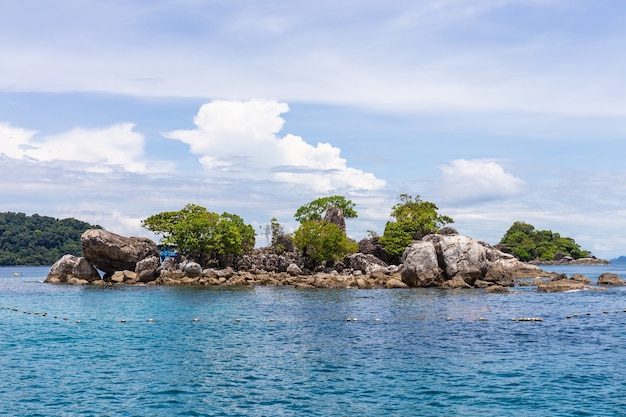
{"x":14,"y":141}
{"x":99,"y":149}
{"x":477,"y":180}
{"x":239,"y":140}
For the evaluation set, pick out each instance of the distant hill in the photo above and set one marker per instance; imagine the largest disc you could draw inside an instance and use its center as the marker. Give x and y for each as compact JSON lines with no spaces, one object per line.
{"x":529,"y":244}
{"x":618,"y":260}
{"x":38,"y":240}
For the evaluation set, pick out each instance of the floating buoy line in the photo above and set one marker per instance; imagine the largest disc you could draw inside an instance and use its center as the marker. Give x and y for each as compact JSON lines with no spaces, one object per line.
{"x":347,"y":319}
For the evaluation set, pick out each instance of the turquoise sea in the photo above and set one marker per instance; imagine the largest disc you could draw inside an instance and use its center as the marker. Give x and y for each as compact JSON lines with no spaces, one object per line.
{"x":264,"y":351}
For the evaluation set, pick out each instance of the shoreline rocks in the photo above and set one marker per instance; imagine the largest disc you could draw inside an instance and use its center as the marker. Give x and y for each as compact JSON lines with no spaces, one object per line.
{"x":447,"y":261}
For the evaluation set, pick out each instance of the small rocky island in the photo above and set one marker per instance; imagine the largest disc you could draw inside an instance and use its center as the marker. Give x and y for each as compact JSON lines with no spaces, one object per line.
{"x":447,"y":261}
{"x":439,"y":258}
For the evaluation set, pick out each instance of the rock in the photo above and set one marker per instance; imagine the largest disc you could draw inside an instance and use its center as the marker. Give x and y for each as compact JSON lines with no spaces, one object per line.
{"x":455,"y":261}
{"x":497,"y":289}
{"x":77,"y":281}
{"x":448,"y":231}
{"x":560,"y":285}
{"x":479,"y":283}
{"x":147,"y":268}
{"x":395,"y":283}
{"x":110,"y":252}
{"x":294,"y":270}
{"x":609,"y":278}
{"x":335,"y":215}
{"x":364,"y":263}
{"x":581,"y":278}
{"x":192,"y":269}
{"x":126,"y":276}
{"x":421,"y":267}
{"x":70,"y":266}
{"x":372,"y":246}
{"x":455,"y":283}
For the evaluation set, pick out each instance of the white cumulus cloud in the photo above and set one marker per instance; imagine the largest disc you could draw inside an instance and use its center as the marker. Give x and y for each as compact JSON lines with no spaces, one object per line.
{"x":117,"y":145}
{"x":239,"y":139}
{"x":477,"y":180}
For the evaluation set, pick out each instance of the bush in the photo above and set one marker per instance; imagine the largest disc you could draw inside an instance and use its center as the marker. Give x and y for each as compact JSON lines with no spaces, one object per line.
{"x":527,"y":244}
{"x":323,"y":241}
{"x":414,"y":218}
{"x":202,"y":235}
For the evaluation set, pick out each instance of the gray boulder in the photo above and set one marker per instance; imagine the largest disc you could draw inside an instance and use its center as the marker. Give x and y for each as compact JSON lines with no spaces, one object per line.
{"x":71,"y":268}
{"x":608,"y":278}
{"x":455,"y":261}
{"x":110,"y":252}
{"x":147,"y":268}
{"x":421,"y":266}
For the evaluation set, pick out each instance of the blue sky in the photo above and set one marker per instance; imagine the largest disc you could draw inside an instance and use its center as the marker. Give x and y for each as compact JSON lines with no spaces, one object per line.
{"x":496,"y":110}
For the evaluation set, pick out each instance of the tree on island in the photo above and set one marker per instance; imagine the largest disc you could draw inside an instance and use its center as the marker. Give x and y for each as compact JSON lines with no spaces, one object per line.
{"x":39,"y":240}
{"x":202,"y":235}
{"x":316,"y":208}
{"x":414,"y":218}
{"x":527,"y":244}
{"x":319,"y":239}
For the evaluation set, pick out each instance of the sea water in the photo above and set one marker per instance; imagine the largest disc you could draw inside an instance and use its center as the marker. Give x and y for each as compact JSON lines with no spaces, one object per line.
{"x":278,"y":351}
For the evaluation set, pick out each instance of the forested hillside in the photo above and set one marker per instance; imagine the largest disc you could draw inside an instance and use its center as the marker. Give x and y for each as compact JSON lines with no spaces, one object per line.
{"x":527,"y":243}
{"x":38,"y":240}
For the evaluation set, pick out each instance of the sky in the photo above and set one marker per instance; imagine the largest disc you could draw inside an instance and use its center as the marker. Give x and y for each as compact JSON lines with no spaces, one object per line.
{"x":495,"y":110}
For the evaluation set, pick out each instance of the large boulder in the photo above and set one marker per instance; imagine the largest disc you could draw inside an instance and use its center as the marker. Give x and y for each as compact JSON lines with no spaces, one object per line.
{"x":372,"y":246}
{"x":147,"y":268}
{"x":421,"y":266}
{"x":364,"y":263}
{"x":455,"y":261}
{"x":71,"y":268}
{"x":110,"y":252}
{"x":609,"y":278}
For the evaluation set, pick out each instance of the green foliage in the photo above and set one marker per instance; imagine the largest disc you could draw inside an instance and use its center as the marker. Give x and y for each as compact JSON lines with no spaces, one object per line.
{"x":323,"y":241}
{"x":414,"y":218}
{"x":526,"y":243}
{"x":273,"y":233}
{"x":317,"y":208}
{"x":201,"y":234}
{"x":39,"y":240}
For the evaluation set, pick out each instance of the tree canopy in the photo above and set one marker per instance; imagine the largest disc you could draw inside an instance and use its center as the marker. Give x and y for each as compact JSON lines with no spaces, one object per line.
{"x":202,"y":235}
{"x":527,"y":243}
{"x":413,"y":218}
{"x":323,"y":241}
{"x":315,"y":209}
{"x":39,"y":240}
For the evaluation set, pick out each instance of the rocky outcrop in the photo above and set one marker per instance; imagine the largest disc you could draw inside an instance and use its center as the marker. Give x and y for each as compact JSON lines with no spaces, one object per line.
{"x":335,"y":215}
{"x":372,"y":246}
{"x":71,"y":269}
{"x":110,"y":252}
{"x":147,"y":269}
{"x":608,"y":278}
{"x":454,"y":261}
{"x":560,"y":285}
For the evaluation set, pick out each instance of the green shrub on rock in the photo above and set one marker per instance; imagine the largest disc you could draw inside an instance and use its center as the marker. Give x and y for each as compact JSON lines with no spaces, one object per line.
{"x":203,"y":235}
{"x":413,"y":219}
{"x":323,"y":241}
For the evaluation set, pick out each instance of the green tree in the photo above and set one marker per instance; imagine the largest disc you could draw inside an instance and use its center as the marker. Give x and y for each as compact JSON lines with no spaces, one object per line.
{"x":413,"y":218}
{"x":527,"y":243}
{"x":202,"y":235}
{"x":323,"y":241}
{"x":317,"y":208}
{"x":39,"y":240}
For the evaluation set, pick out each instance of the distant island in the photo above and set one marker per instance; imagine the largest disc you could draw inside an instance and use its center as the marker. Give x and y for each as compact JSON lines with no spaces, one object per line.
{"x":621,"y":259}
{"x":39,"y":240}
